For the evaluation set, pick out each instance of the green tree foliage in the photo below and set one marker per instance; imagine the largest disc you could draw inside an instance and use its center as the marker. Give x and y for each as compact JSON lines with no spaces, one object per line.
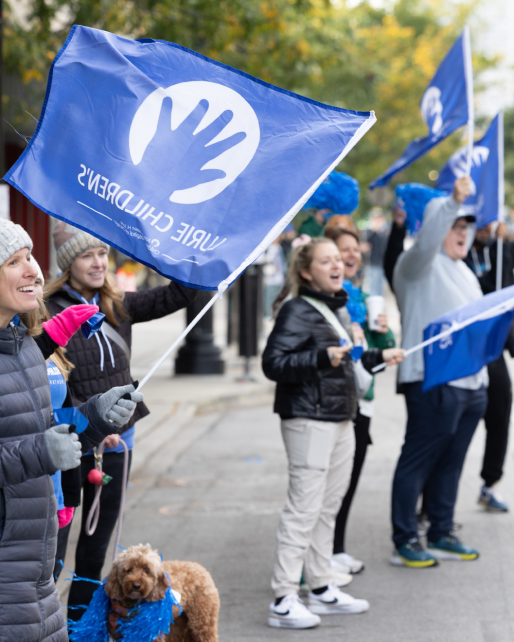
{"x":358,"y":58}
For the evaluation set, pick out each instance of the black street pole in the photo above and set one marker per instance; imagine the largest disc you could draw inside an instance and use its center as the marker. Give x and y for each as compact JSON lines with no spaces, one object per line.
{"x":199,"y":354}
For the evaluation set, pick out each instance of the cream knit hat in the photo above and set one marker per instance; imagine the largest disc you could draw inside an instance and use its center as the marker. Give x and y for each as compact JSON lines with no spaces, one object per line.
{"x":12,"y":238}
{"x":70,"y":242}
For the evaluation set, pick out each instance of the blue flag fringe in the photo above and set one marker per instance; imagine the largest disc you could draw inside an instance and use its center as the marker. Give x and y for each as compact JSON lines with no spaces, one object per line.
{"x":146,"y":622}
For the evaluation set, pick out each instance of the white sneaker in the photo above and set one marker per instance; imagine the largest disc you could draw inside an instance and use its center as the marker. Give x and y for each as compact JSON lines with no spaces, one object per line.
{"x":334,"y":601}
{"x":345,"y":563}
{"x":291,"y":613}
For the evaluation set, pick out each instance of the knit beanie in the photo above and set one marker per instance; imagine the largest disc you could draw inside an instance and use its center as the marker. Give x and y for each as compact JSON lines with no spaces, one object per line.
{"x":70,"y":242}
{"x":12,"y":238}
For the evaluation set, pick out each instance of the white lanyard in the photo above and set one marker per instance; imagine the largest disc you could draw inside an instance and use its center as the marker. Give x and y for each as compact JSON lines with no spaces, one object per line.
{"x":323,"y":309}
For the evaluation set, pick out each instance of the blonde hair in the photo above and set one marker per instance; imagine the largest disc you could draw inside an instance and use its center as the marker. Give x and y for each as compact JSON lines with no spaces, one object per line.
{"x":33,"y":321}
{"x":111,"y":298}
{"x":301,"y":262}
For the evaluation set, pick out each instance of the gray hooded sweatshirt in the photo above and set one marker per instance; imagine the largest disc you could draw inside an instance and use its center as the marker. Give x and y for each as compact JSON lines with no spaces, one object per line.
{"x":428,"y":283}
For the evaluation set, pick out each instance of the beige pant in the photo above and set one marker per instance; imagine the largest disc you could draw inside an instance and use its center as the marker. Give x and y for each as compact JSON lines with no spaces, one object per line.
{"x":320,"y":455}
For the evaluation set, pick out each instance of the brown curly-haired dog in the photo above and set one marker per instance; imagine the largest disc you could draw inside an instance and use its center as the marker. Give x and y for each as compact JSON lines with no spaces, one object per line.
{"x":138,"y":574}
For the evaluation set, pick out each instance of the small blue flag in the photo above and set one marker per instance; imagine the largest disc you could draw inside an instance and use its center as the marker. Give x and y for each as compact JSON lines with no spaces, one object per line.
{"x":71,"y":416}
{"x":447,"y":104}
{"x":92,"y":325}
{"x":470,"y":348}
{"x":487,"y":187}
{"x":338,"y":192}
{"x":187,"y":165}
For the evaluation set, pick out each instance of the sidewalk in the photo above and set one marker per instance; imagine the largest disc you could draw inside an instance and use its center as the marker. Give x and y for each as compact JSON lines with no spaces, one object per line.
{"x":174,"y":400}
{"x":213,"y":494}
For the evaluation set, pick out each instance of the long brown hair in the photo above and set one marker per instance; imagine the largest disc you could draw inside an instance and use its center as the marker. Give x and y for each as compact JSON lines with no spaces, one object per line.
{"x":301,"y":261}
{"x":33,"y":322}
{"x":111,"y":299}
{"x":335,"y":233}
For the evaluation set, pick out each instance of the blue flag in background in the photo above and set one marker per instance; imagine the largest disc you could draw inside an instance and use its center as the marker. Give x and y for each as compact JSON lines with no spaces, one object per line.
{"x":469,"y":349}
{"x":447,"y":104}
{"x":189,"y":166}
{"x":487,"y":187}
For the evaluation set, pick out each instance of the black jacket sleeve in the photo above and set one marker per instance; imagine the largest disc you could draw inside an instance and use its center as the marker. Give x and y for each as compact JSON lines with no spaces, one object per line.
{"x":46,"y":344}
{"x":98,"y":429}
{"x":287,"y":357}
{"x":372,"y":358}
{"x":393,"y":250}
{"x":157,"y":302}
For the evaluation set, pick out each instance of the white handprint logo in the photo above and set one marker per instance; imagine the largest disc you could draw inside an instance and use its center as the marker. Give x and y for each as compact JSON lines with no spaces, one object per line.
{"x":432,"y":109}
{"x":219,"y":139}
{"x":458,"y":162}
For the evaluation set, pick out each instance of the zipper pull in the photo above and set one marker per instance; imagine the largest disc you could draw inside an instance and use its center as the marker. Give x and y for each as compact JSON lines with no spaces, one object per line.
{"x":16,"y":340}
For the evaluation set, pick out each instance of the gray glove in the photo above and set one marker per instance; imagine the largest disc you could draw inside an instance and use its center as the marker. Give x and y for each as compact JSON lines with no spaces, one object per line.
{"x":117,"y":405}
{"x":64,"y":448}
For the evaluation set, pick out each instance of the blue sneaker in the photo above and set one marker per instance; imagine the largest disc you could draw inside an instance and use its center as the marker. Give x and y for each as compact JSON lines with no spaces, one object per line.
{"x":413,"y":555}
{"x":491,"y":500}
{"x":450,"y":548}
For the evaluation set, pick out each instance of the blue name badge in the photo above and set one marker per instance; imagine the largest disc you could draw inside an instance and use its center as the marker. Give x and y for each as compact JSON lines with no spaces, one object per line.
{"x":71,"y":416}
{"x":92,"y":325}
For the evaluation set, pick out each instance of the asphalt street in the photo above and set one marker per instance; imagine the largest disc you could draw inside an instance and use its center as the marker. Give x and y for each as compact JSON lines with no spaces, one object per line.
{"x":213,"y":493}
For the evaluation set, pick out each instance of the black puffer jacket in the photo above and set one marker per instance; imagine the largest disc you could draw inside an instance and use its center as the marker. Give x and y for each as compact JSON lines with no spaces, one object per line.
{"x":86,"y":379}
{"x":296,"y":358}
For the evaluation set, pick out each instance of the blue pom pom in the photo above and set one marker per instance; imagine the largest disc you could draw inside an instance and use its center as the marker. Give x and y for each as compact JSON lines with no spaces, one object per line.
{"x":338,"y":192}
{"x":92,"y":626}
{"x":355,"y":305}
{"x":146,"y":622}
{"x":415,"y":197}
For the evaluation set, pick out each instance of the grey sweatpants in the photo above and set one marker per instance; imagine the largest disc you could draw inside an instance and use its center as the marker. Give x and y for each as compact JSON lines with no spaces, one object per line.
{"x":320,"y":455}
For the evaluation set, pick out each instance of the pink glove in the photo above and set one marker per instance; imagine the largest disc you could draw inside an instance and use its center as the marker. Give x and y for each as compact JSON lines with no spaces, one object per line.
{"x":63,"y":326}
{"x":65,"y":515}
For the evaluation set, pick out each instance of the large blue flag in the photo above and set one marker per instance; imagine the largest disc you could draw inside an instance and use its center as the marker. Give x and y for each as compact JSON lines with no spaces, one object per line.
{"x":447,"y":104}
{"x":189,"y":166}
{"x":481,"y":330}
{"x":487,"y":188}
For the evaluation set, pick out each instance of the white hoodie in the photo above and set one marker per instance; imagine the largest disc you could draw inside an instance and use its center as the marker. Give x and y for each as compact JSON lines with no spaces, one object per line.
{"x":428,"y":283}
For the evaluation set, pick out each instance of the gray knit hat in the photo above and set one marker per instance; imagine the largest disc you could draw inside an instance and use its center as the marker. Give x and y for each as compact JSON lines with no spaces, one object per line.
{"x":70,"y":242}
{"x":12,"y":238}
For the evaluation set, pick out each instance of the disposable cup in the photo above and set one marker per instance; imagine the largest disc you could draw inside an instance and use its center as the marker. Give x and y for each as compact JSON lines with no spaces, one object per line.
{"x":375,"y":305}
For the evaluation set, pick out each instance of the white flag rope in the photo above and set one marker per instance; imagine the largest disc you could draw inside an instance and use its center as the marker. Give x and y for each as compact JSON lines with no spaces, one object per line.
{"x":495,"y":311}
{"x":177,"y":341}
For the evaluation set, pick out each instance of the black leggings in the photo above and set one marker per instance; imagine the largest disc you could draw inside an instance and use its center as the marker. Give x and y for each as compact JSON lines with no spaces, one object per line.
{"x":91,"y":550}
{"x":362,"y":441}
{"x":497,"y":418}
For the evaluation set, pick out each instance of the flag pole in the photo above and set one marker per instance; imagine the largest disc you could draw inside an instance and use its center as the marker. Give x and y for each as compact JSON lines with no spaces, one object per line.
{"x":177,"y":341}
{"x":501,"y":202}
{"x":468,"y":70}
{"x":496,"y":310}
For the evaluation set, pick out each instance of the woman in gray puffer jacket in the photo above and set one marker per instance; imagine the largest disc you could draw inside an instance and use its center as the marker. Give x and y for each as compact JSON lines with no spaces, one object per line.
{"x":31,"y":449}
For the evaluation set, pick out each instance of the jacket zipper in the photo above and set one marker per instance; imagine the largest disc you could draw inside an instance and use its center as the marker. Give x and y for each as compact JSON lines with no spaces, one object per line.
{"x":42,"y":425}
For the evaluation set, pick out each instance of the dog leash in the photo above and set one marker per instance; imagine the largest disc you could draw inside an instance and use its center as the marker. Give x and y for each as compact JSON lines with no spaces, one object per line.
{"x":94,"y":511}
